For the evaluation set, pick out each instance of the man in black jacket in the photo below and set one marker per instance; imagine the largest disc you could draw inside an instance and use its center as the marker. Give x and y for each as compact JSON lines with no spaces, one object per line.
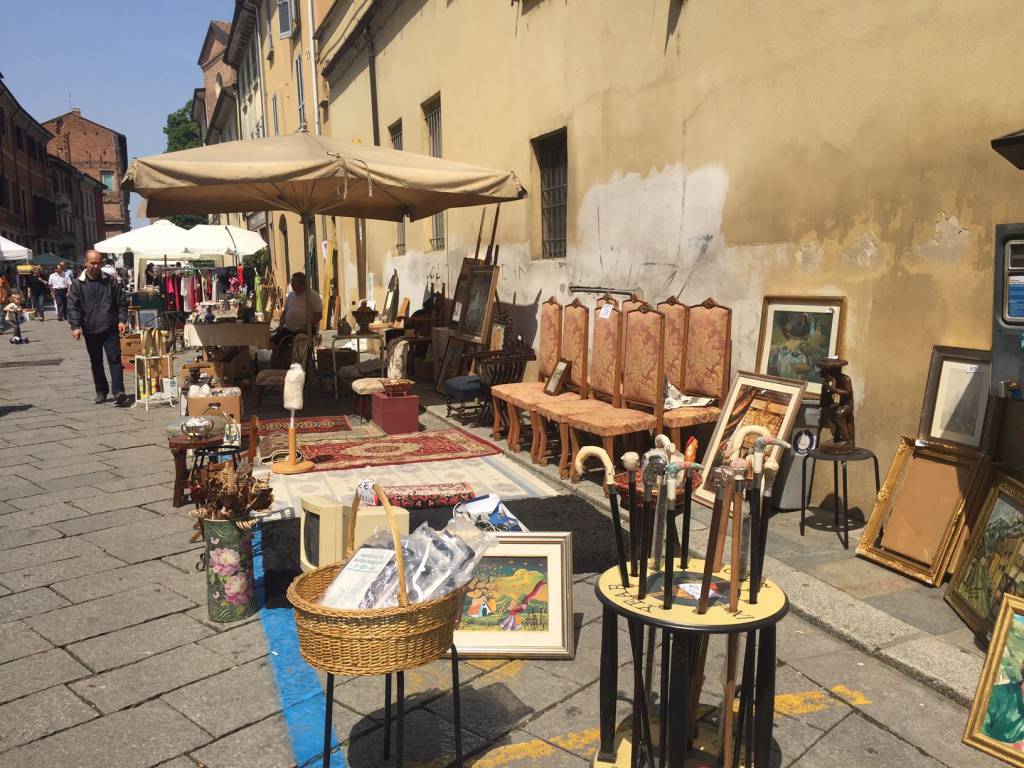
{"x":98,"y":309}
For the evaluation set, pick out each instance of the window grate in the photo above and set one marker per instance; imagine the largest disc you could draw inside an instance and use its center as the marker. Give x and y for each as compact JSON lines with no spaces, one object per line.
{"x":553,"y":161}
{"x":395,"y":130}
{"x":300,"y":93}
{"x":432,"y":114}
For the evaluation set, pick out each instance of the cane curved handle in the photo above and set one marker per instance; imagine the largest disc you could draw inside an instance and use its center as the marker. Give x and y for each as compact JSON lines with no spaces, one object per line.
{"x":736,"y":441}
{"x":762,"y":442}
{"x":663,"y":443}
{"x":631,"y":461}
{"x":586,"y":452}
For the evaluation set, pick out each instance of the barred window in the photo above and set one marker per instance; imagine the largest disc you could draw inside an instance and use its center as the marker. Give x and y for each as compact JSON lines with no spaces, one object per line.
{"x":553,"y":161}
{"x":432,"y":114}
{"x":395,"y":130}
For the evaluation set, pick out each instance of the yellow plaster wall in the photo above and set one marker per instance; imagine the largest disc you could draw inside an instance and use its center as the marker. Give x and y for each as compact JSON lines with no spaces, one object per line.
{"x":729,"y":148}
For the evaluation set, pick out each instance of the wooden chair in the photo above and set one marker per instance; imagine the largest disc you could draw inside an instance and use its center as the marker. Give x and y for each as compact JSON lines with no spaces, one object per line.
{"x":641,"y":374}
{"x":676,"y":317}
{"x":575,"y":347}
{"x":396,"y":359}
{"x":469,"y":397}
{"x":706,"y":366}
{"x":519,"y":397}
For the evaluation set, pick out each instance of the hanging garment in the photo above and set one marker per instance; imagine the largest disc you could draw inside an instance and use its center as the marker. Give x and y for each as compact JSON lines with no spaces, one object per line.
{"x":192,"y":293}
{"x":250,"y":278}
{"x":259,"y":296}
{"x":172,"y":294}
{"x":186,"y":295}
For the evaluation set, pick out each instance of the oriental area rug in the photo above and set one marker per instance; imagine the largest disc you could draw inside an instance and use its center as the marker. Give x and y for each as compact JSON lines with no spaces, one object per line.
{"x":273,"y":433}
{"x":440,"y":445}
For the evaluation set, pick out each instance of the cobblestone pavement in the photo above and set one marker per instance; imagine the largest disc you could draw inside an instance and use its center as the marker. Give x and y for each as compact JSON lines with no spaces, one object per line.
{"x":107,"y":657}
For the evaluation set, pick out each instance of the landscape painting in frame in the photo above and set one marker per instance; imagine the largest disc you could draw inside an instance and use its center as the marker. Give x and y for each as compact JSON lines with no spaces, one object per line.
{"x":754,"y":400}
{"x":996,"y":721}
{"x":992,"y":565}
{"x":519,"y":602}
{"x":796,"y":334}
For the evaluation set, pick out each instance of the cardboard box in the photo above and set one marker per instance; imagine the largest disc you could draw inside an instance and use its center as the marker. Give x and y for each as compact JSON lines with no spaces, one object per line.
{"x":130,"y":347}
{"x":230,"y":369}
{"x":229,"y":406}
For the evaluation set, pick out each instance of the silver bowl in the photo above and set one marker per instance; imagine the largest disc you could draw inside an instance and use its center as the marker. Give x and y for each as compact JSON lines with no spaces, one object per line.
{"x":197,"y":427}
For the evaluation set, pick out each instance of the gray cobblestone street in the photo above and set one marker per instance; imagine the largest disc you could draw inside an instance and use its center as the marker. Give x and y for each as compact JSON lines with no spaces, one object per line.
{"x":107,"y":657}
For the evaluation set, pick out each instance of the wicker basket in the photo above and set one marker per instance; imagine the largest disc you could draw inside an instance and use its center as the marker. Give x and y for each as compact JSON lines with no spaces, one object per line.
{"x":377,"y":641}
{"x":396,"y":387}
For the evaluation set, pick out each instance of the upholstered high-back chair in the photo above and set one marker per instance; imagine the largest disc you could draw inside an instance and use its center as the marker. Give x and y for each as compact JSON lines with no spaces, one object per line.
{"x":511,"y":400}
{"x":575,"y":344}
{"x":676,"y":316}
{"x":637,"y":378}
{"x":706,"y":366}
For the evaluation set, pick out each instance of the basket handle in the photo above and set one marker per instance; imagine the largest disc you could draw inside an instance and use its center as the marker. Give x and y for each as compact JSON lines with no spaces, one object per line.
{"x":396,"y":538}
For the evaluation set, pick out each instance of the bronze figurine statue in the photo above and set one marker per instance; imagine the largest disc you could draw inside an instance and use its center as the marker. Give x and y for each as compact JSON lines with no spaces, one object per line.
{"x":837,"y":406}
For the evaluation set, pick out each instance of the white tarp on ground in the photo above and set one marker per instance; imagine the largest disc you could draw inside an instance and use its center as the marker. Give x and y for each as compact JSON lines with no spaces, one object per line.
{"x":11,"y":251}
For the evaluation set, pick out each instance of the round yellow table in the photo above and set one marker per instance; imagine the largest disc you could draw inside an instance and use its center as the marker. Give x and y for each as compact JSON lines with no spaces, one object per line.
{"x":685,"y":635}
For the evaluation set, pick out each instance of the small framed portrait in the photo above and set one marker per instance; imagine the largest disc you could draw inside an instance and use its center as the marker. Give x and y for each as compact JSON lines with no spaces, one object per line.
{"x":956,"y":396}
{"x":518,"y":604}
{"x":558,"y":379}
{"x":798,"y":332}
{"x":994,"y":725}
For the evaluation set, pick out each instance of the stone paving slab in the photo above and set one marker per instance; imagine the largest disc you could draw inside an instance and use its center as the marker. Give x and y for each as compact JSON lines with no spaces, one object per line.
{"x":856,"y":742}
{"x":17,"y":640}
{"x":22,"y":605}
{"x":105,"y":502}
{"x":24,"y":536}
{"x":77,"y":622}
{"x":44,"y":552}
{"x":145,"y":540}
{"x":53,"y":513}
{"x":141,"y":641}
{"x":125,"y":686}
{"x":34,"y":673}
{"x":41,"y":714}
{"x":104,"y":520}
{"x":239,"y":645}
{"x":47,"y":573}
{"x":125,"y":739}
{"x":114,"y":581}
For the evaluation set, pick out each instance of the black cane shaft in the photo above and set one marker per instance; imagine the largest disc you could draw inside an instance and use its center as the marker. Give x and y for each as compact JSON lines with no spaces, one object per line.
{"x":634,"y":523}
{"x":756,"y":555}
{"x":717,"y":513}
{"x":328,"y":717}
{"x":670,"y":555}
{"x":663,"y":713}
{"x":647,"y":523}
{"x":620,"y":547}
{"x":687,"y":511}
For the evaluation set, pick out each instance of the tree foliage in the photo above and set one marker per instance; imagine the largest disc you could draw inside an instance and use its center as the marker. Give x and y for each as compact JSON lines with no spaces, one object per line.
{"x":183,"y":133}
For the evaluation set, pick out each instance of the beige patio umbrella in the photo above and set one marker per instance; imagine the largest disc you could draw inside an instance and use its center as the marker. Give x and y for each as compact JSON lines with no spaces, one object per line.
{"x":310,"y":175}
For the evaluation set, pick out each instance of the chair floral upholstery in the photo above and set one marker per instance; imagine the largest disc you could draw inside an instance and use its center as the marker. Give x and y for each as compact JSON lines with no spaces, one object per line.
{"x":681,"y":418}
{"x":708,"y":349}
{"x":605,"y":355}
{"x":550,"y":343}
{"x":610,"y":422}
{"x":675,"y":339}
{"x":574,"y":343}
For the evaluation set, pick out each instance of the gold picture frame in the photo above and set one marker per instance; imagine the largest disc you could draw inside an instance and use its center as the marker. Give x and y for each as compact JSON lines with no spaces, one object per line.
{"x":530,"y":567}
{"x":1006,"y":652}
{"x":996,"y":541}
{"x":920,"y":509}
{"x":753,"y":399}
{"x":815,"y":313}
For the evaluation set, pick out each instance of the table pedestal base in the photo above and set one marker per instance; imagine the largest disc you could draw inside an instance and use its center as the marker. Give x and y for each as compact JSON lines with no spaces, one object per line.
{"x":705,"y":749}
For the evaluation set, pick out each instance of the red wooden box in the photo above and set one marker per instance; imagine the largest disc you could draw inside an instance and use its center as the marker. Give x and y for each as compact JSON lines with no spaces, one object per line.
{"x":396,"y":415}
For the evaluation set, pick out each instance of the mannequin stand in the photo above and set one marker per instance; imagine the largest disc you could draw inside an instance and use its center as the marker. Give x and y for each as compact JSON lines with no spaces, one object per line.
{"x":291,"y":465}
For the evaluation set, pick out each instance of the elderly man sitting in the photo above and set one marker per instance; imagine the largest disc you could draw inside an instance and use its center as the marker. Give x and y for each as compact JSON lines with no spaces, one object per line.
{"x":293,"y":317}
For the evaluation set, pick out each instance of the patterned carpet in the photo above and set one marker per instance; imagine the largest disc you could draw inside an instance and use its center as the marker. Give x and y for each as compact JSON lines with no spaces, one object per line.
{"x":273,"y":433}
{"x":416,"y":448}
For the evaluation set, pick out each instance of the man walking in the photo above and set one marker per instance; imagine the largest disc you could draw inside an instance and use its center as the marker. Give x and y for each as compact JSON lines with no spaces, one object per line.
{"x":59,"y":282}
{"x":98,"y":309}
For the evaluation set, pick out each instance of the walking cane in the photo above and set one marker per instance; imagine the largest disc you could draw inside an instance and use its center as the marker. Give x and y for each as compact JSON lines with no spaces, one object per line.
{"x":631,"y":461}
{"x":689,"y":469}
{"x":723,"y":493}
{"x":652,"y":471}
{"x":670,"y":537}
{"x":613,"y":500}
{"x":765,"y":471}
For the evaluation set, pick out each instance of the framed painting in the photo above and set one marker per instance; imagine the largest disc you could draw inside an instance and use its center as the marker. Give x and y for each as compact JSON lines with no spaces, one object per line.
{"x":797,"y":332}
{"x":767,"y":401}
{"x":995,"y":725}
{"x":921,"y":507}
{"x":956,"y":396}
{"x":992,"y":562}
{"x":518,"y":604}
{"x":475,"y":317}
{"x":558,"y":379}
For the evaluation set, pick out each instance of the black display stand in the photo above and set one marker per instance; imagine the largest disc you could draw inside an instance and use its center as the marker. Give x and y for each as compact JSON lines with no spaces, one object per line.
{"x":837,"y":459}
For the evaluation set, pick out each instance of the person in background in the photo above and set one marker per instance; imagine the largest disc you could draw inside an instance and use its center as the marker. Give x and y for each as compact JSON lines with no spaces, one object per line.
{"x":98,"y":310}
{"x":5,"y":297}
{"x":150,"y":274}
{"x":293,"y":317}
{"x":38,"y":291}
{"x":59,"y":283}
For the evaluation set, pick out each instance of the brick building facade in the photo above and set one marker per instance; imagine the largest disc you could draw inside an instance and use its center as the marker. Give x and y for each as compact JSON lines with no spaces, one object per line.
{"x":99,"y":152}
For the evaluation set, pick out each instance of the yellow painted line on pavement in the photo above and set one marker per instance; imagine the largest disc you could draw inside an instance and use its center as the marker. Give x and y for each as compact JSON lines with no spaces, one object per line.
{"x":577,"y":740}
{"x":809,"y":702}
{"x":534,"y":749}
{"x":506,"y":671}
{"x":850,"y":696}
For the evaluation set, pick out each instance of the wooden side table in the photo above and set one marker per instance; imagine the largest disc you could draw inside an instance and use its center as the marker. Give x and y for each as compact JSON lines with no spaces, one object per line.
{"x":396,"y":415}
{"x":180,"y":445}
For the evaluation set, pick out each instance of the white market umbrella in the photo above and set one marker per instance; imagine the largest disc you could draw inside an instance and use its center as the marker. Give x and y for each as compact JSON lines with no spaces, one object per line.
{"x":162,"y":238}
{"x":11,"y":251}
{"x":224,"y":238}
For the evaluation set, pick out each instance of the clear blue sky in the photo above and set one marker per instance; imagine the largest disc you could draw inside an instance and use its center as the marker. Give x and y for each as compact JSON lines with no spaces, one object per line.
{"x":126,"y":63}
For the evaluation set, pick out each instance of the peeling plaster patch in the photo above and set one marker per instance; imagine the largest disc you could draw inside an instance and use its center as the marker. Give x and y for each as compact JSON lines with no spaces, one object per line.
{"x":652,"y":227}
{"x":810,"y":256}
{"x":864,"y":252}
{"x":949,"y":243}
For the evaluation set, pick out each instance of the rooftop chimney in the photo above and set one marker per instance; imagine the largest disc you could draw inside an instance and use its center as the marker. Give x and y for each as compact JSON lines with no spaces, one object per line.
{"x":76,"y":110}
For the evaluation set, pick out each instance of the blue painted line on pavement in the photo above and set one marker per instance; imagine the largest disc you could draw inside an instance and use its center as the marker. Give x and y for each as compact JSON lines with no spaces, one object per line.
{"x":302,"y":698}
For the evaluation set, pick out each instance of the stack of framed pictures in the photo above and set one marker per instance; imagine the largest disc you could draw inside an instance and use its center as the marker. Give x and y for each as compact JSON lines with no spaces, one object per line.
{"x":471,"y":318}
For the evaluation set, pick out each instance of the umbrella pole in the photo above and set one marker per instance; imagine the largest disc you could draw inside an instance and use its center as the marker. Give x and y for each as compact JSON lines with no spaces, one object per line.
{"x":307,"y":231}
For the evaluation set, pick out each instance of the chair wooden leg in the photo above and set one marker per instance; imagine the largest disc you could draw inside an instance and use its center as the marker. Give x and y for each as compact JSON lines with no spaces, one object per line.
{"x":676,"y":434}
{"x":563,"y":450}
{"x":575,"y":446}
{"x":513,"y":428}
{"x":608,"y":443}
{"x":496,"y":426}
{"x":540,"y":427}
{"x":537,"y":429}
